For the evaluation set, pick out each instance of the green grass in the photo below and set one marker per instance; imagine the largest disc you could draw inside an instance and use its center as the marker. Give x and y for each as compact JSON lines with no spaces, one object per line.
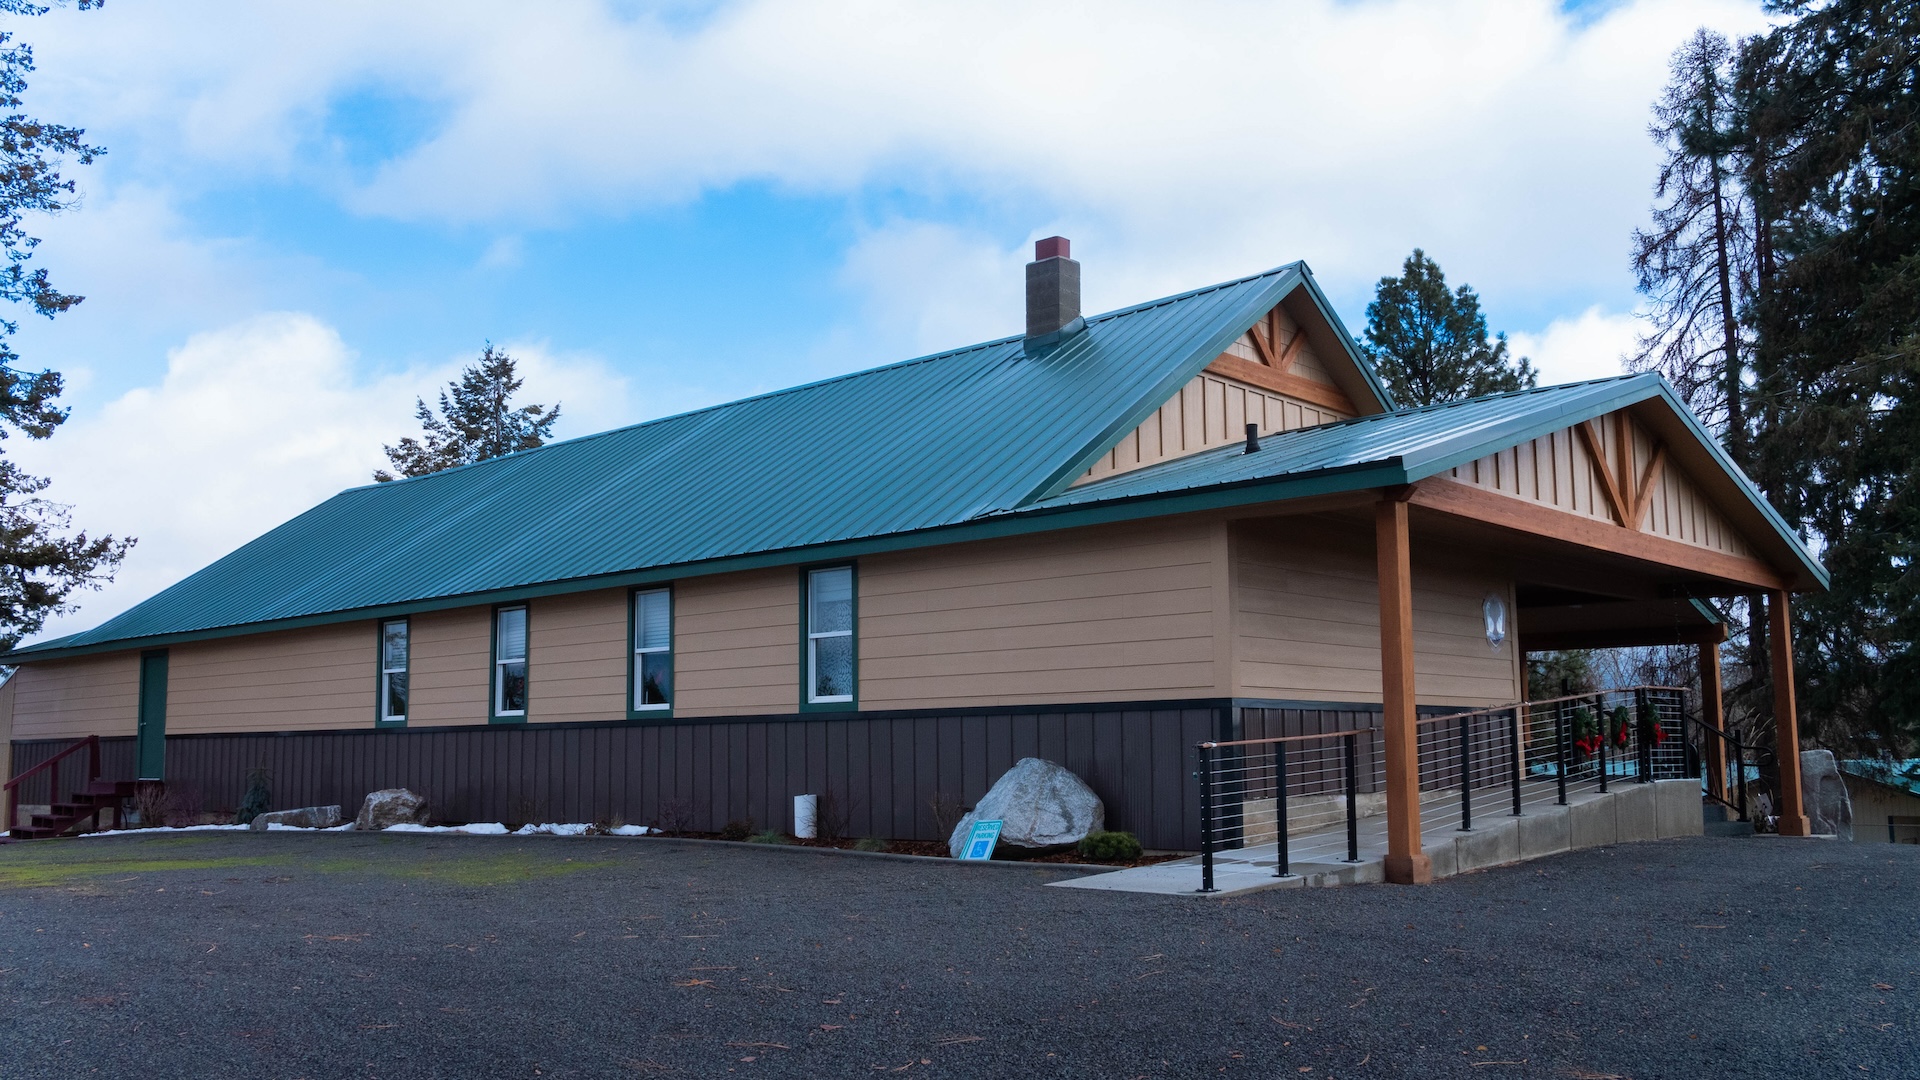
{"x":51,"y":864}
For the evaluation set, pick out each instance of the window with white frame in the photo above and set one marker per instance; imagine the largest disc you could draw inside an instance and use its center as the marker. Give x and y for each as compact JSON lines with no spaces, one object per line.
{"x":652,"y":650}
{"x":393,"y":671}
{"x":510,"y":662}
{"x":830,"y":634}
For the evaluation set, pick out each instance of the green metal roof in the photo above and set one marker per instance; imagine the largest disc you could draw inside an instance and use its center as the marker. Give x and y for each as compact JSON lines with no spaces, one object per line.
{"x":918,"y":445}
{"x":961,"y":445}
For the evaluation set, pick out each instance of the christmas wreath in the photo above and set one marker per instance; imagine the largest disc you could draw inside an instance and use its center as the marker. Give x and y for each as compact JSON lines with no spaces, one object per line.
{"x":1622,"y":727}
{"x":1587,"y":739}
{"x":1650,"y":723}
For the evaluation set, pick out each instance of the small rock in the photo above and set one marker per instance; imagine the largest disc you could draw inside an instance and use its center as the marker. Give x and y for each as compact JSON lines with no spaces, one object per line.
{"x":1040,"y":806}
{"x":307,"y":817}
{"x":391,"y":806}
{"x":1829,"y":810}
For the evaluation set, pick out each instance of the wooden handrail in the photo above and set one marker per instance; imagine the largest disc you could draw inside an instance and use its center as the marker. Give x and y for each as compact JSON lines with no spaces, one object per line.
{"x":12,"y":787}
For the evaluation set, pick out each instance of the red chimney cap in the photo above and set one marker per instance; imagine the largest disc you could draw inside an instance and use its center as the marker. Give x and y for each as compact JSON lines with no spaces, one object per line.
{"x":1053,"y":247}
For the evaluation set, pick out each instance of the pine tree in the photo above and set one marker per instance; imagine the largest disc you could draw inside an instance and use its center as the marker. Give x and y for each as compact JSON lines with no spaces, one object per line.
{"x":1833,"y":97}
{"x":1697,"y":263}
{"x":477,"y":420}
{"x":1430,"y":345}
{"x":42,"y":563}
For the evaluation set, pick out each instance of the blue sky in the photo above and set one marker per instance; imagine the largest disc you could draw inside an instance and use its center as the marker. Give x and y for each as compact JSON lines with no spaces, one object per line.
{"x":310,"y":214}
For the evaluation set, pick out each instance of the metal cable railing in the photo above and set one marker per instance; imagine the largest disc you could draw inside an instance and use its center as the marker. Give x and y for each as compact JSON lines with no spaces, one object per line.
{"x":1253,"y":790}
{"x":1477,"y":762}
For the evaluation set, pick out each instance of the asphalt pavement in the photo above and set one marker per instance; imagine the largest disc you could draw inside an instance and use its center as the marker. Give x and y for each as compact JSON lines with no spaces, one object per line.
{"x":279,"y":955}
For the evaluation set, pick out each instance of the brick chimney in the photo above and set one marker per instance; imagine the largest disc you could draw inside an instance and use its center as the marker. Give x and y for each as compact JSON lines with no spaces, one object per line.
{"x":1053,"y":293}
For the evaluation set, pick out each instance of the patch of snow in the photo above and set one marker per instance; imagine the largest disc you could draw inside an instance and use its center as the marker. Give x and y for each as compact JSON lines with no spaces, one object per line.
{"x":629,"y":830}
{"x":553,"y":829}
{"x":492,"y":828}
{"x":167,"y":829}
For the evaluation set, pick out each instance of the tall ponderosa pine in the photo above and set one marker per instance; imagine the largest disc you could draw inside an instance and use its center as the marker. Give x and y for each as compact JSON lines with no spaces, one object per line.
{"x":1696,"y":265}
{"x":1832,"y":102}
{"x":1430,"y":345}
{"x":41,"y":562}
{"x":477,"y":421}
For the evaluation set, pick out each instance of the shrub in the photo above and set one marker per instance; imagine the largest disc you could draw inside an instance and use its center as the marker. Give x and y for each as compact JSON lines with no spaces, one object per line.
{"x":1111,"y":846}
{"x":872,"y":843}
{"x":769,"y":837}
{"x":737,"y":829}
{"x":259,"y":797}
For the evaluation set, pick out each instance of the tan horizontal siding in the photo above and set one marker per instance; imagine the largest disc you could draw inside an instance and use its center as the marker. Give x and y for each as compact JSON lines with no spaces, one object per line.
{"x":1556,"y":470}
{"x":1212,"y":410}
{"x":294,"y":680}
{"x":577,"y":657}
{"x":449,"y":666}
{"x":68,"y":699}
{"x":1307,"y":620}
{"x":1105,"y":614}
{"x":736,"y":646}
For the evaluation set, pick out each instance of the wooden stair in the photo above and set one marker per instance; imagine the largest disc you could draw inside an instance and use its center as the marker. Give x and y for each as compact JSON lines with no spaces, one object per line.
{"x":82,"y":806}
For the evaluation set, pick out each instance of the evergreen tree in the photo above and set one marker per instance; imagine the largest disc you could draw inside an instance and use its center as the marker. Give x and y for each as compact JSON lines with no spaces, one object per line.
{"x":41,"y":562}
{"x":1832,"y":102}
{"x":477,"y":421}
{"x":1696,"y":264}
{"x":1430,"y":345}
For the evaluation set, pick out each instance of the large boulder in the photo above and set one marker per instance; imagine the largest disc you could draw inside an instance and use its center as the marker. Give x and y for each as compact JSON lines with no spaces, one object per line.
{"x":391,"y":806}
{"x":1040,"y":806}
{"x":1829,"y":810}
{"x":307,"y":817}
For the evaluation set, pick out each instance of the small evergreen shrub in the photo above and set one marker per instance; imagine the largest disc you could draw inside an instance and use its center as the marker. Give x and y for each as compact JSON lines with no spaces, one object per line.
{"x":769,"y":837}
{"x":1110,"y":846}
{"x":872,"y":843}
{"x":258,"y":799}
{"x":737,"y":829}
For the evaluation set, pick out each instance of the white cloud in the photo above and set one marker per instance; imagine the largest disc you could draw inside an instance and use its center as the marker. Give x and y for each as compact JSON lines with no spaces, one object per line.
{"x":1192,"y":141}
{"x":1590,"y":345}
{"x":253,"y":424}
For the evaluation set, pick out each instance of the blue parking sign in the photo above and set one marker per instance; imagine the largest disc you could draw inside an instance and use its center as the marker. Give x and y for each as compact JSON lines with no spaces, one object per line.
{"x":980,"y":844}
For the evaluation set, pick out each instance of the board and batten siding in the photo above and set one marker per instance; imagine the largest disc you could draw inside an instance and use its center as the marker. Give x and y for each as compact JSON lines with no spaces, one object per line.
{"x":1556,"y":470}
{"x":736,"y":643}
{"x":1307,"y":619}
{"x":1110,"y":613}
{"x":1209,"y":411}
{"x":294,"y":680}
{"x":71,"y":699}
{"x":577,"y":656}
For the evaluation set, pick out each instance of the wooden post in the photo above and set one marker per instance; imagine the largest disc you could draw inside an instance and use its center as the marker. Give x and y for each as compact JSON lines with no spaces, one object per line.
{"x":1713,"y":714}
{"x":1791,"y":808}
{"x":1406,"y":863}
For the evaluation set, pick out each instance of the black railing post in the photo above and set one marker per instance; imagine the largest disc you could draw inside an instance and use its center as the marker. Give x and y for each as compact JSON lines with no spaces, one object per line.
{"x":1466,"y":772}
{"x":1206,"y":818}
{"x":1643,"y":726}
{"x":1280,"y":807}
{"x":1353,"y":811}
{"x":1513,"y":735}
{"x":1600,"y":714}
{"x":1560,"y":748}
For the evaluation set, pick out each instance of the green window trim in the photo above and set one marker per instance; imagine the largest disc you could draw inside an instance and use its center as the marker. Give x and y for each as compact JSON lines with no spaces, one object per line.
{"x":382,"y":672}
{"x":851,"y":702}
{"x":635,"y":664}
{"x":496,"y":674}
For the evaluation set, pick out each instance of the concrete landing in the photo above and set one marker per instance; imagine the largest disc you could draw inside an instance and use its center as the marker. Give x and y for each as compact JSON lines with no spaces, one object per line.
{"x":1590,"y":819}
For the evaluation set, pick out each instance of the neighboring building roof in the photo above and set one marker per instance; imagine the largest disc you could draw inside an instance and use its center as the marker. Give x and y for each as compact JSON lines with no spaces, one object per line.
{"x":1901,"y":775}
{"x":968,"y":444}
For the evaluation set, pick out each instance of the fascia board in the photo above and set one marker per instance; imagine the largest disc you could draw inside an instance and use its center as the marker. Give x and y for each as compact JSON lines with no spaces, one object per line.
{"x":1347,"y":341}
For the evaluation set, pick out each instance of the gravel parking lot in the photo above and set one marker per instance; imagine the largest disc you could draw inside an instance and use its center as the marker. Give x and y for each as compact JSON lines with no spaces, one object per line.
{"x":240,"y":955}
